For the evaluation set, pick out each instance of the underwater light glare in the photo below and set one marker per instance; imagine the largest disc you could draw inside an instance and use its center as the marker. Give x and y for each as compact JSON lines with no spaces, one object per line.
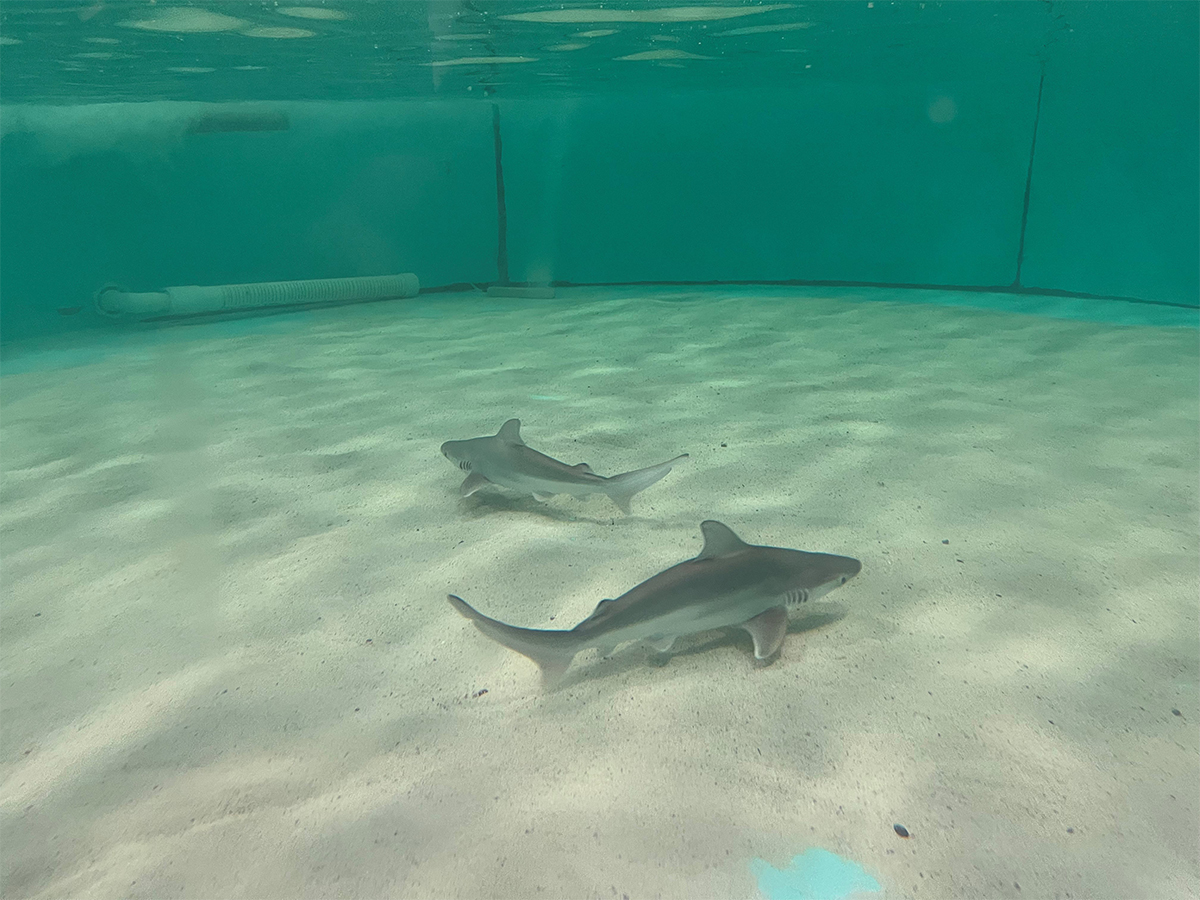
{"x":187,"y":21}
{"x":267,"y":31}
{"x":669,"y":53}
{"x":313,"y":12}
{"x":670,"y":14}
{"x":483,"y":60}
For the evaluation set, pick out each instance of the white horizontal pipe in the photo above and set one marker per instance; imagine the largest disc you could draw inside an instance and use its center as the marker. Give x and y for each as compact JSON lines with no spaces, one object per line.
{"x":192,"y":299}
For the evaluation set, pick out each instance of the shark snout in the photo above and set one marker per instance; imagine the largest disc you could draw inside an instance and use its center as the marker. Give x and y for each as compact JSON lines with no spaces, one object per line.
{"x":845,"y":569}
{"x":841,"y":569}
{"x":448,"y":451}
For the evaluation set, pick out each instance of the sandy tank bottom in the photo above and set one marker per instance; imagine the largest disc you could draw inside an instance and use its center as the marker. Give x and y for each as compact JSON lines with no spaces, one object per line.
{"x":230,"y":670}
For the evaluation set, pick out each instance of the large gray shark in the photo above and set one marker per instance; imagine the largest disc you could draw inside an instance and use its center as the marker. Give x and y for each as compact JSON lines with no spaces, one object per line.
{"x":729,"y":583}
{"x":505,"y":459}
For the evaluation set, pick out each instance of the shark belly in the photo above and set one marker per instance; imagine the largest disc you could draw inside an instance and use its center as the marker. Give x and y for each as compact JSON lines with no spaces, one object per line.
{"x":725,"y":611}
{"x":529,"y":483}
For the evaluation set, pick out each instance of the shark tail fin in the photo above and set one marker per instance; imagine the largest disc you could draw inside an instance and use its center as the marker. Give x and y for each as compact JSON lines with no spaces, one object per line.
{"x":551,"y":650}
{"x":621,"y":488}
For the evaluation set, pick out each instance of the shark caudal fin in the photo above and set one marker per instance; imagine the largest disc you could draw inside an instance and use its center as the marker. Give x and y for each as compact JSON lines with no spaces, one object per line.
{"x":621,"y":488}
{"x":551,"y":650}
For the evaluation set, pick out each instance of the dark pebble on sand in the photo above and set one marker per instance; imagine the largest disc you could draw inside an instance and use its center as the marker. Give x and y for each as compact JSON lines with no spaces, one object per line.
{"x":900,"y":830}
{"x":945,"y":542}
{"x":1174,"y":712}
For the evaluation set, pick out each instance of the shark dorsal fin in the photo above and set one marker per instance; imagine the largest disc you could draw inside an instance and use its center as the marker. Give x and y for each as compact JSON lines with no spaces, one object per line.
{"x":719,"y":540}
{"x":511,"y":431}
{"x":583,"y":467}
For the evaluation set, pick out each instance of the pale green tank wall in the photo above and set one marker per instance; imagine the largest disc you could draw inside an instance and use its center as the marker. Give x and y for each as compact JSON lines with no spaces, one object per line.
{"x":855,"y":180}
{"x":885,"y":175}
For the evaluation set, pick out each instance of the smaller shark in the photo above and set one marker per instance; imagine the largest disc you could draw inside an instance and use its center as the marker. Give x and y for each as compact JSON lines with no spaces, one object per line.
{"x":729,"y":583}
{"x":505,"y":459}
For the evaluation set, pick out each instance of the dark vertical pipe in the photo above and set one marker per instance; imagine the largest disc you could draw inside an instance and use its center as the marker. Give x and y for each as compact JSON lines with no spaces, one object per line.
{"x":1028,"y":179}
{"x":501,"y":214}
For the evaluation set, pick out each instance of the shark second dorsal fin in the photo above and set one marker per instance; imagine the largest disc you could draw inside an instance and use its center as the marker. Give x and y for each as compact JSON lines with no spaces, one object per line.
{"x":600,"y":610}
{"x":719,"y":540}
{"x":511,"y":431}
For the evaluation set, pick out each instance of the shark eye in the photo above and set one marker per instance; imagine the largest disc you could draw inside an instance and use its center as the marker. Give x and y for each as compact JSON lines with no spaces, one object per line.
{"x":843,"y":581}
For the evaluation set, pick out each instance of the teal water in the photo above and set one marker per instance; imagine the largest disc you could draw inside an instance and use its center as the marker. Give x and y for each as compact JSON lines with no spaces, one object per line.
{"x":913,"y":282}
{"x":1041,"y":146}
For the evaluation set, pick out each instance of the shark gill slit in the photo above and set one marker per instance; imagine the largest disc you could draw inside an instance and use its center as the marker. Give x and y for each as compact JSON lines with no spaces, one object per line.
{"x":795,"y":597}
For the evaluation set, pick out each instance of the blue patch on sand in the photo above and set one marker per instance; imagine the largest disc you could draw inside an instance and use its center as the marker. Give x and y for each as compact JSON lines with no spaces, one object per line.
{"x":814,"y":875}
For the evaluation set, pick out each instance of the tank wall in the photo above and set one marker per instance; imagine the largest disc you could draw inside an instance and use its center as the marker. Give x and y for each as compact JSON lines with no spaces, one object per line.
{"x":1114,"y":201}
{"x":838,"y":181}
{"x":124,"y":194}
{"x":886,"y":180}
{"x":867,"y":176}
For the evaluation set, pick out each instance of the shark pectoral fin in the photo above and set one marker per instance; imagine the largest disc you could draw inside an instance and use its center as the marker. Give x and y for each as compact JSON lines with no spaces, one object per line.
{"x":584,"y":468}
{"x":473,"y":483}
{"x":768,"y":630}
{"x":541,"y":496}
{"x":663,"y":644}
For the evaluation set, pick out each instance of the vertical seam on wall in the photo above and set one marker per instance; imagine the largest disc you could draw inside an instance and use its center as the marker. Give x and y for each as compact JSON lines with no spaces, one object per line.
{"x":501,"y":213}
{"x":1029,"y":179}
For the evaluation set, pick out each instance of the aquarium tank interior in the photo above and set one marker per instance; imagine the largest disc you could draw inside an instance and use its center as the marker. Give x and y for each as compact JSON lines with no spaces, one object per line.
{"x":578,"y":449}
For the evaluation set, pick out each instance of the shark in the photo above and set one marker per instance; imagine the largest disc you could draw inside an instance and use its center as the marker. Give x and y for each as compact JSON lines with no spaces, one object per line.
{"x":730,"y":583}
{"x":506,"y":460}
